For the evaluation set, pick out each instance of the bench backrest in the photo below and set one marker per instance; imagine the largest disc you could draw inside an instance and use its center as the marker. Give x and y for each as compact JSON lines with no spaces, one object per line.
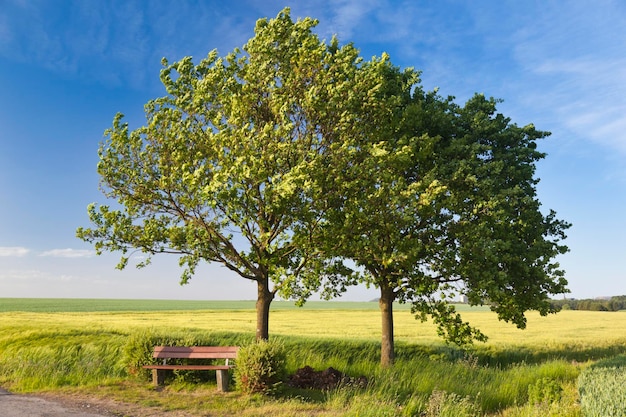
{"x":195,"y":352}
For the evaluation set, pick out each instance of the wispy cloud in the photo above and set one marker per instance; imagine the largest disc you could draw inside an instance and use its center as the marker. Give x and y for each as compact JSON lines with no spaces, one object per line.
{"x":39,"y":277}
{"x":117,"y":42}
{"x":349,"y":14}
{"x":573,"y":61}
{"x":18,"y":275}
{"x":591,"y":95}
{"x":13,"y":251}
{"x":68,"y":253}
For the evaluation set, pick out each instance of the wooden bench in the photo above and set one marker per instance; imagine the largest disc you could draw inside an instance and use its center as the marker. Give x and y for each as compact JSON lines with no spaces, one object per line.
{"x":194,"y":352}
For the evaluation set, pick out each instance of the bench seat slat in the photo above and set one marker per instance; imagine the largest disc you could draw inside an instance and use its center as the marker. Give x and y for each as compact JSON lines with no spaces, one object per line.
{"x":204,"y":349}
{"x":195,"y":352}
{"x":195,"y":355}
{"x":191,"y":367}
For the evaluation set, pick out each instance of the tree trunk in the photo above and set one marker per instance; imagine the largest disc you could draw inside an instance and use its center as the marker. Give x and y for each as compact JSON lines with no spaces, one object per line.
{"x":264,"y":299}
{"x":387,"y":352}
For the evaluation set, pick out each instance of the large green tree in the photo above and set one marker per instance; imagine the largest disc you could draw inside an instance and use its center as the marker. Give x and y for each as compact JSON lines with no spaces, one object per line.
{"x":222,"y":170}
{"x":440,"y":199}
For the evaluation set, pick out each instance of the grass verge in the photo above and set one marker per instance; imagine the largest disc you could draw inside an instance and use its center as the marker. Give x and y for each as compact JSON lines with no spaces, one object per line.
{"x":99,"y":354}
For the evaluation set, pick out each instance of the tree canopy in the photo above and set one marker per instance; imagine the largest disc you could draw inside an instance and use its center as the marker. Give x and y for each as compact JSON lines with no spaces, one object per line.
{"x":285,"y":159}
{"x":440,"y":201}
{"x":221,"y":172}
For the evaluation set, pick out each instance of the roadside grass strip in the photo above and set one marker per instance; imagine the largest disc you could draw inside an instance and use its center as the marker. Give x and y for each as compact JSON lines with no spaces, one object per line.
{"x":535,"y":373}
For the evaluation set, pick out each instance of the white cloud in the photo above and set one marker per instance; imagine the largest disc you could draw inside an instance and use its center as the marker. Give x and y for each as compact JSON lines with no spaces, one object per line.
{"x":17,"y":275}
{"x":68,"y":253}
{"x":593,"y":94}
{"x":38,"y":277}
{"x":13,"y":251}
{"x":349,"y":14}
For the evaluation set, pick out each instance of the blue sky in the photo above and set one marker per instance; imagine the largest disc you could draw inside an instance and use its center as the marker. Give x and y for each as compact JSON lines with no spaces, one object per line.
{"x":66,"y":68}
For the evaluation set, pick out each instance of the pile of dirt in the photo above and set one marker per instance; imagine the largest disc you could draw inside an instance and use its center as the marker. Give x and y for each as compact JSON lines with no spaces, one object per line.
{"x":329,"y":378}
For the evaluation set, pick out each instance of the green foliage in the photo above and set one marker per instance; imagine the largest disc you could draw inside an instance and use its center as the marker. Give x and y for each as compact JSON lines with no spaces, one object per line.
{"x":450,"y":325}
{"x":602,"y":392}
{"x":618,"y":361}
{"x":260,"y":367}
{"x":616,"y":303}
{"x":43,"y":359}
{"x":444,"y":404}
{"x":435,"y":194}
{"x":222,"y":171}
{"x":567,"y":406}
{"x":290,"y":155}
{"x":369,"y":404}
{"x":139,"y":347}
{"x":601,"y":388}
{"x":545,"y":390}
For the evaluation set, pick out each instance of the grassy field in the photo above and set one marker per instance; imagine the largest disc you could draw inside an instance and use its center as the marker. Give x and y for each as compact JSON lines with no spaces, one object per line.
{"x":84,"y":346}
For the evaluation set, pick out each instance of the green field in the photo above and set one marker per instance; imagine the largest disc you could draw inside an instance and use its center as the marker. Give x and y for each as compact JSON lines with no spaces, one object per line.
{"x":84,"y":347}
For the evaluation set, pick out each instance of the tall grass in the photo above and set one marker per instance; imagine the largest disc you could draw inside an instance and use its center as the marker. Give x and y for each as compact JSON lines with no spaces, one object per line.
{"x":601,"y":387}
{"x":43,"y":360}
{"x":51,"y":351}
{"x":33,"y":360}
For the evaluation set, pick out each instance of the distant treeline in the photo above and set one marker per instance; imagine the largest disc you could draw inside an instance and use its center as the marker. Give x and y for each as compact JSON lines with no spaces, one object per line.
{"x":612,"y":304}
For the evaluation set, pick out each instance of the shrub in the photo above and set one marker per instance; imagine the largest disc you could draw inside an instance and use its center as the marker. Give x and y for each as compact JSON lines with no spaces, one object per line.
{"x":444,"y":404}
{"x":545,"y":390}
{"x":138,"y":352}
{"x":260,"y":367}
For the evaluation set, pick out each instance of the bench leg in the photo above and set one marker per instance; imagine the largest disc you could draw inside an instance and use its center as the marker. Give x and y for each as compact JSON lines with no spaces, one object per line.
{"x":222,"y":380}
{"x":158,"y":377}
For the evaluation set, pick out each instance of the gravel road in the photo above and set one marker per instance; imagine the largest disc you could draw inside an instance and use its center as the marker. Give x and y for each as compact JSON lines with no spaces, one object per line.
{"x":12,"y":405}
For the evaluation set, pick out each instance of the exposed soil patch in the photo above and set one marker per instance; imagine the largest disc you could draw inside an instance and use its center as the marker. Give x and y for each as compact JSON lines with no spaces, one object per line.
{"x":329,"y":378}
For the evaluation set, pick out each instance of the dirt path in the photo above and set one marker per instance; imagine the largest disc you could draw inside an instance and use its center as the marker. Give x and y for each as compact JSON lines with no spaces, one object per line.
{"x":28,"y":406}
{"x":53,"y":405}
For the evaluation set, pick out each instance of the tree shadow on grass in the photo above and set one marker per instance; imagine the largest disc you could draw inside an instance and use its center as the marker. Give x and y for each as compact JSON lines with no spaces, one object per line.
{"x":513,"y":355}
